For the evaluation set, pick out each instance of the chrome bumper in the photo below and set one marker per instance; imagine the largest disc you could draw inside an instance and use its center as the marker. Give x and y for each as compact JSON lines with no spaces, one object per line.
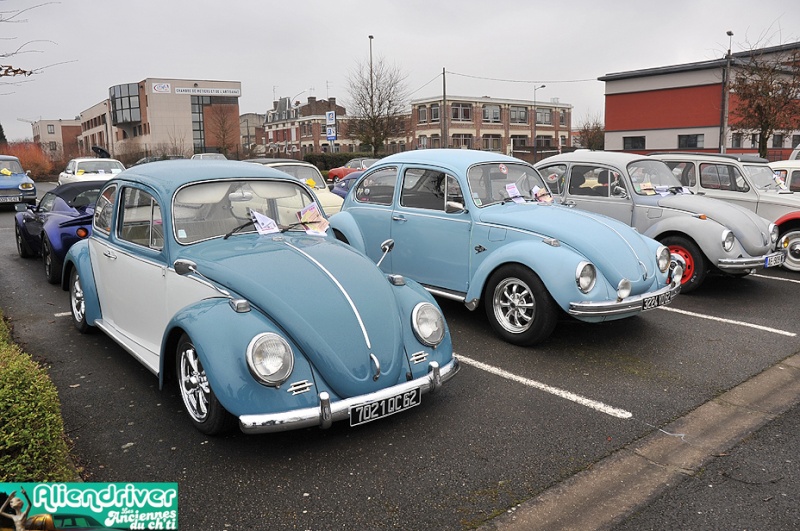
{"x":328,"y":412}
{"x":740,"y":265}
{"x":629,"y":305}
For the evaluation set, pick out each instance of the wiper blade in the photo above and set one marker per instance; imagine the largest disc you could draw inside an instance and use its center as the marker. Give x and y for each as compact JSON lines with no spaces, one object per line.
{"x":237,"y":229}
{"x":284,"y":228}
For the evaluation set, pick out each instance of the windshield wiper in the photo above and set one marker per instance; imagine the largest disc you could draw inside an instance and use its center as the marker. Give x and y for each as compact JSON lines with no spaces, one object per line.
{"x":237,"y":229}
{"x":284,"y":228}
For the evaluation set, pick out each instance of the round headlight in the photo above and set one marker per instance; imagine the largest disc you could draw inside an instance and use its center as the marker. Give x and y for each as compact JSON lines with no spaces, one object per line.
{"x":270,"y":359}
{"x":677,"y":273}
{"x":26,"y":186}
{"x":773,"y":232}
{"x":663,"y":257}
{"x":727,"y":240}
{"x":623,"y":288}
{"x":428,"y":324}
{"x":585,"y":276}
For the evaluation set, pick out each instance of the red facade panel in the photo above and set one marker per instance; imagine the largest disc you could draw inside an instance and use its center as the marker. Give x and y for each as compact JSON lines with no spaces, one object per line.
{"x":698,"y":106}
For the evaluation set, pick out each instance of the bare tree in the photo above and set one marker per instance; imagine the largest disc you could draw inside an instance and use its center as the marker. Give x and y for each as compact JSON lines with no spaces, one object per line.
{"x":591,"y":133}
{"x":13,"y":17}
{"x":766,"y":91}
{"x":379,"y":97}
{"x":221,"y":127}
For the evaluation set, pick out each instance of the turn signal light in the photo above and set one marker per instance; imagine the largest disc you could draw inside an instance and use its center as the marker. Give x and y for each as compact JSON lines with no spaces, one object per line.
{"x":82,"y":233}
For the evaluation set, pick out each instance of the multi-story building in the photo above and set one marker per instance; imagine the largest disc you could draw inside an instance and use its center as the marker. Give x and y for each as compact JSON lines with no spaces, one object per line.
{"x":684,"y":107}
{"x":522,"y":128}
{"x":296,"y":129}
{"x":58,"y":138}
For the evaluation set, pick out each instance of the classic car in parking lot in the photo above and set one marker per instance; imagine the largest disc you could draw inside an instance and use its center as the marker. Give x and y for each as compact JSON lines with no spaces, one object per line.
{"x":710,"y":236}
{"x":15,"y":184}
{"x":62,"y":217}
{"x":309,"y":174}
{"x":788,"y":171}
{"x":357,"y":164}
{"x":476,"y":226}
{"x":748,"y":181}
{"x":89,"y":169}
{"x":342,"y":186}
{"x":221,"y":276}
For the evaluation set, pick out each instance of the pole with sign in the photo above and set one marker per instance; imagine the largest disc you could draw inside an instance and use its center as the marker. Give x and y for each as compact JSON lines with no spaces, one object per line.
{"x":330,"y":128}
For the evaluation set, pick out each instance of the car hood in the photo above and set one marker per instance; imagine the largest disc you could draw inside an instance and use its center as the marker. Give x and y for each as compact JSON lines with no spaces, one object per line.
{"x":750,"y":229}
{"x":332,"y":301}
{"x":14,"y":180}
{"x":614,"y":248}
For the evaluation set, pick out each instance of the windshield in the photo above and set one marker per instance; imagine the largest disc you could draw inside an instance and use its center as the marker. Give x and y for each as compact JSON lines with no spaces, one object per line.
{"x":303,"y":173}
{"x":649,"y":177}
{"x":208,"y":210}
{"x":99,"y":166}
{"x":368,"y":162}
{"x":761,"y":175}
{"x":498,"y":182}
{"x":12,"y":166}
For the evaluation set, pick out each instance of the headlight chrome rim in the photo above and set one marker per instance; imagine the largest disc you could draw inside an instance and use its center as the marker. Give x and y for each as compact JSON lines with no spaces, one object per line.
{"x":428,"y":324}
{"x":270,"y":368}
{"x":727,"y":240}
{"x":774,"y":232}
{"x":663,"y":258}
{"x":624,"y":289}
{"x":586,"y":276}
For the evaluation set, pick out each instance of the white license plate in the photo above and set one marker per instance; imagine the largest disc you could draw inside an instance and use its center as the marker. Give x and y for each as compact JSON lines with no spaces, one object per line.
{"x":363,"y":413}
{"x":8,"y":199}
{"x":774,"y":259}
{"x":648,"y":303}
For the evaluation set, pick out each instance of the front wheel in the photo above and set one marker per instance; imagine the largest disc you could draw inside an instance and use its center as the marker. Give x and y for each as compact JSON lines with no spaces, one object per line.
{"x":23,"y":248}
{"x":519,"y":307}
{"x":695,"y":271}
{"x":77,"y":303}
{"x":199,"y":400}
{"x":52,"y":269}
{"x":792,"y":262}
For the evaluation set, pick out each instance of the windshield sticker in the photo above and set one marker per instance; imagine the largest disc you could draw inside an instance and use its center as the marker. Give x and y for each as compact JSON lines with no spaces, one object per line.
{"x":5,"y":171}
{"x":513,"y":193}
{"x":264,"y":224}
{"x":312,"y":220}
{"x":503,"y":169}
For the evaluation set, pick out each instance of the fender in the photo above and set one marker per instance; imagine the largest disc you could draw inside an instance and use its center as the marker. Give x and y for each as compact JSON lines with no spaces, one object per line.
{"x":78,"y":258}
{"x":550,"y":263}
{"x":708,"y":237}
{"x":343,"y":222}
{"x":791,"y":216}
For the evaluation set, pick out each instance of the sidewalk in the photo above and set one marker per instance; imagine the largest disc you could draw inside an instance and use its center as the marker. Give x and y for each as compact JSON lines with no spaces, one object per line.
{"x":732,"y":463}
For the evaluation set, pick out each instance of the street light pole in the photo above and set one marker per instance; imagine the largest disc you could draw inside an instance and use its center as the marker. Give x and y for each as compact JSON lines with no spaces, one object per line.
{"x":723,"y":133}
{"x":534,"y":120}
{"x":371,"y":96}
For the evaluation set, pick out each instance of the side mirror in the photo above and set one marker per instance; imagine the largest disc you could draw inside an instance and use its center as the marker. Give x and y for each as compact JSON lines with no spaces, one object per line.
{"x":451,"y":207}
{"x":184,"y":267}
{"x":386,"y":248}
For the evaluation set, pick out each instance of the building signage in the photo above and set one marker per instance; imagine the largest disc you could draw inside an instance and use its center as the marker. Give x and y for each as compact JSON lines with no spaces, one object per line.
{"x":331,"y":132}
{"x":162,"y":88}
{"x":330,"y":118}
{"x":201,"y":91}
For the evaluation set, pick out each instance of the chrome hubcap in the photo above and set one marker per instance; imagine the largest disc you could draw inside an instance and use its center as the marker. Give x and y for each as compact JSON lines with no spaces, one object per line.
{"x":194,"y":384}
{"x":514,"y":305}
{"x":78,"y":305}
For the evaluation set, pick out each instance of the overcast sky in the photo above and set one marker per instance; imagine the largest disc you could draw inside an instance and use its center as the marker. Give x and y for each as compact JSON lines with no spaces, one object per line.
{"x":498,"y":48}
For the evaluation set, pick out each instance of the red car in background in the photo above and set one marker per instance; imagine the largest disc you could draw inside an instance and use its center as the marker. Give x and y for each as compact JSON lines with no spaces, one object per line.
{"x":359,"y":164}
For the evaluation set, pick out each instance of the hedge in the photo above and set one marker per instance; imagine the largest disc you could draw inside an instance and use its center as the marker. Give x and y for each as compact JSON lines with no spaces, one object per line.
{"x":33,"y":447}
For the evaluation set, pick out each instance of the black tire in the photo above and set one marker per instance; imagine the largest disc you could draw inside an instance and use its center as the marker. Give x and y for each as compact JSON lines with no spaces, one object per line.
{"x":519,"y":307}
{"x":77,"y":303}
{"x":199,"y":400}
{"x":696,"y":263}
{"x":23,"y":248}
{"x":52,"y":267}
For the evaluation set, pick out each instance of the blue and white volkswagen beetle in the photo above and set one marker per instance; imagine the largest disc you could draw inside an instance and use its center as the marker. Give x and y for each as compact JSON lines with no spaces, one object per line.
{"x":476,"y":226}
{"x":219,"y":275}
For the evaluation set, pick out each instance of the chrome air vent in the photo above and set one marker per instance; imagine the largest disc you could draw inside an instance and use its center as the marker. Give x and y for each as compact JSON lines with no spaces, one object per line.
{"x":419,"y":357}
{"x":300,"y":387}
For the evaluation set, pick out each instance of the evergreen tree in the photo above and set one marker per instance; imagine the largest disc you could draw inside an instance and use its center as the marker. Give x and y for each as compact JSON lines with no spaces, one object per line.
{"x":3,"y":140}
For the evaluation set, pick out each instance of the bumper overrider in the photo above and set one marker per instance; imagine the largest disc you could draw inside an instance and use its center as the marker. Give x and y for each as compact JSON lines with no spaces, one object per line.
{"x":629,"y":305}
{"x":329,"y":412}
{"x":746,"y":263}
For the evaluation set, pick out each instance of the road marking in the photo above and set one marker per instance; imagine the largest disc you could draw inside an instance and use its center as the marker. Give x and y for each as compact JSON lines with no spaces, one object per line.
{"x":598,"y":406}
{"x":730,"y":321}
{"x":776,"y":278}
{"x":62,"y":314}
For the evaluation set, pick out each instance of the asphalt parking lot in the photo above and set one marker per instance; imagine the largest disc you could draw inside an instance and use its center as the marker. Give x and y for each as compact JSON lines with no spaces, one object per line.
{"x":516,"y":426}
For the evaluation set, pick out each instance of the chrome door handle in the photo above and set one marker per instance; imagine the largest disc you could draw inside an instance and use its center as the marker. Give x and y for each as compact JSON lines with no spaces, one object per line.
{"x":109,"y":254}
{"x":399,"y":218}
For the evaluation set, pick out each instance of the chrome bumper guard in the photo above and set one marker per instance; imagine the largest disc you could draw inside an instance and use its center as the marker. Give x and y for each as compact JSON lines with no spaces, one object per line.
{"x":629,"y":305}
{"x":734,"y":265}
{"x":328,"y":412}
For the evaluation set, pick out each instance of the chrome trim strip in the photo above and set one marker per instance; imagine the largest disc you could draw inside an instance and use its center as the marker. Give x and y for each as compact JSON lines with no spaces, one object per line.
{"x":750,"y":262}
{"x":611,"y":308}
{"x":328,"y":412}
{"x":341,"y":288}
{"x":446,"y":294}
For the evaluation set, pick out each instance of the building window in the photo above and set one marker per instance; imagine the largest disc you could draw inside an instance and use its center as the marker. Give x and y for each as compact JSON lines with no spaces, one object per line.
{"x":434,"y":112}
{"x":436,"y":141}
{"x":491,"y":113}
{"x":690,"y":141}
{"x":562,"y":117}
{"x":542,"y":141}
{"x":562,"y":140}
{"x":795,"y":141}
{"x":422,"y":142}
{"x":736,"y":140}
{"x":754,"y":140}
{"x":464,"y":141}
{"x":461,"y":112}
{"x":518,"y":115}
{"x":491,"y":143}
{"x":633,"y":142}
{"x":777,"y":141}
{"x":422,"y":115}
{"x":518,"y":142}
{"x":51,"y":129}
{"x":52,"y":146}
{"x":544,"y":116}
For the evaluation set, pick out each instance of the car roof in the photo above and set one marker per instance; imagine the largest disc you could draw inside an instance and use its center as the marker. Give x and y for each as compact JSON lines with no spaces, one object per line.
{"x":740,"y":157}
{"x":457,"y":159}
{"x":267,"y":161}
{"x":84,"y":159}
{"x":785,"y":164}
{"x":619,"y":158}
{"x":9,"y":157}
{"x":68,"y":191}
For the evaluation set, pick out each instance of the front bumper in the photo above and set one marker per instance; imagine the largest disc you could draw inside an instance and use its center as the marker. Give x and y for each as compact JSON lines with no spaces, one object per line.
{"x":629,"y":306}
{"x":745,"y":264}
{"x":26,"y":196}
{"x":328,"y":412}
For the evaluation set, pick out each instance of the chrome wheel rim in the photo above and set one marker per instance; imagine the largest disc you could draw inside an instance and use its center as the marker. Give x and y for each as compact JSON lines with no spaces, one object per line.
{"x":47,"y":257}
{"x":77,"y":300}
{"x":18,"y":238}
{"x":793,"y":252}
{"x":193,"y":383}
{"x":514,"y":305}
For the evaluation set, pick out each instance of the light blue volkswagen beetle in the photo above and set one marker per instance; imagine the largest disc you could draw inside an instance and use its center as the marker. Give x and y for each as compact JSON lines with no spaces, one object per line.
{"x":219,"y":275}
{"x":476,"y":226}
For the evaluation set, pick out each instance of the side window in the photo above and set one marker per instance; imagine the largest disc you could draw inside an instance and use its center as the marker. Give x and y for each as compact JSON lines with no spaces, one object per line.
{"x":423,"y":189}
{"x":738,"y":180}
{"x":71,"y":167}
{"x":46,"y":204}
{"x":684,"y":171}
{"x":141,"y":219}
{"x":554,"y":177}
{"x":104,"y":210}
{"x":794,"y":181}
{"x":588,"y":180}
{"x":378,"y":187}
{"x":709,"y":177}
{"x":454,"y":197}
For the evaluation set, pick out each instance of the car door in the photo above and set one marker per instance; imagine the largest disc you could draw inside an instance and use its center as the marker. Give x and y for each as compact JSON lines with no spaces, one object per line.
{"x":431,"y":229}
{"x":34,"y":220}
{"x":372,"y":211}
{"x":726,"y":182}
{"x":600,"y":189}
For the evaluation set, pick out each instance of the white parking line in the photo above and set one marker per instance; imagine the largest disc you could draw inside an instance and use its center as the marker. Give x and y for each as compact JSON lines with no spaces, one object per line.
{"x":62,"y":314}
{"x":598,"y":406}
{"x":730,"y":321}
{"x":776,"y":278}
